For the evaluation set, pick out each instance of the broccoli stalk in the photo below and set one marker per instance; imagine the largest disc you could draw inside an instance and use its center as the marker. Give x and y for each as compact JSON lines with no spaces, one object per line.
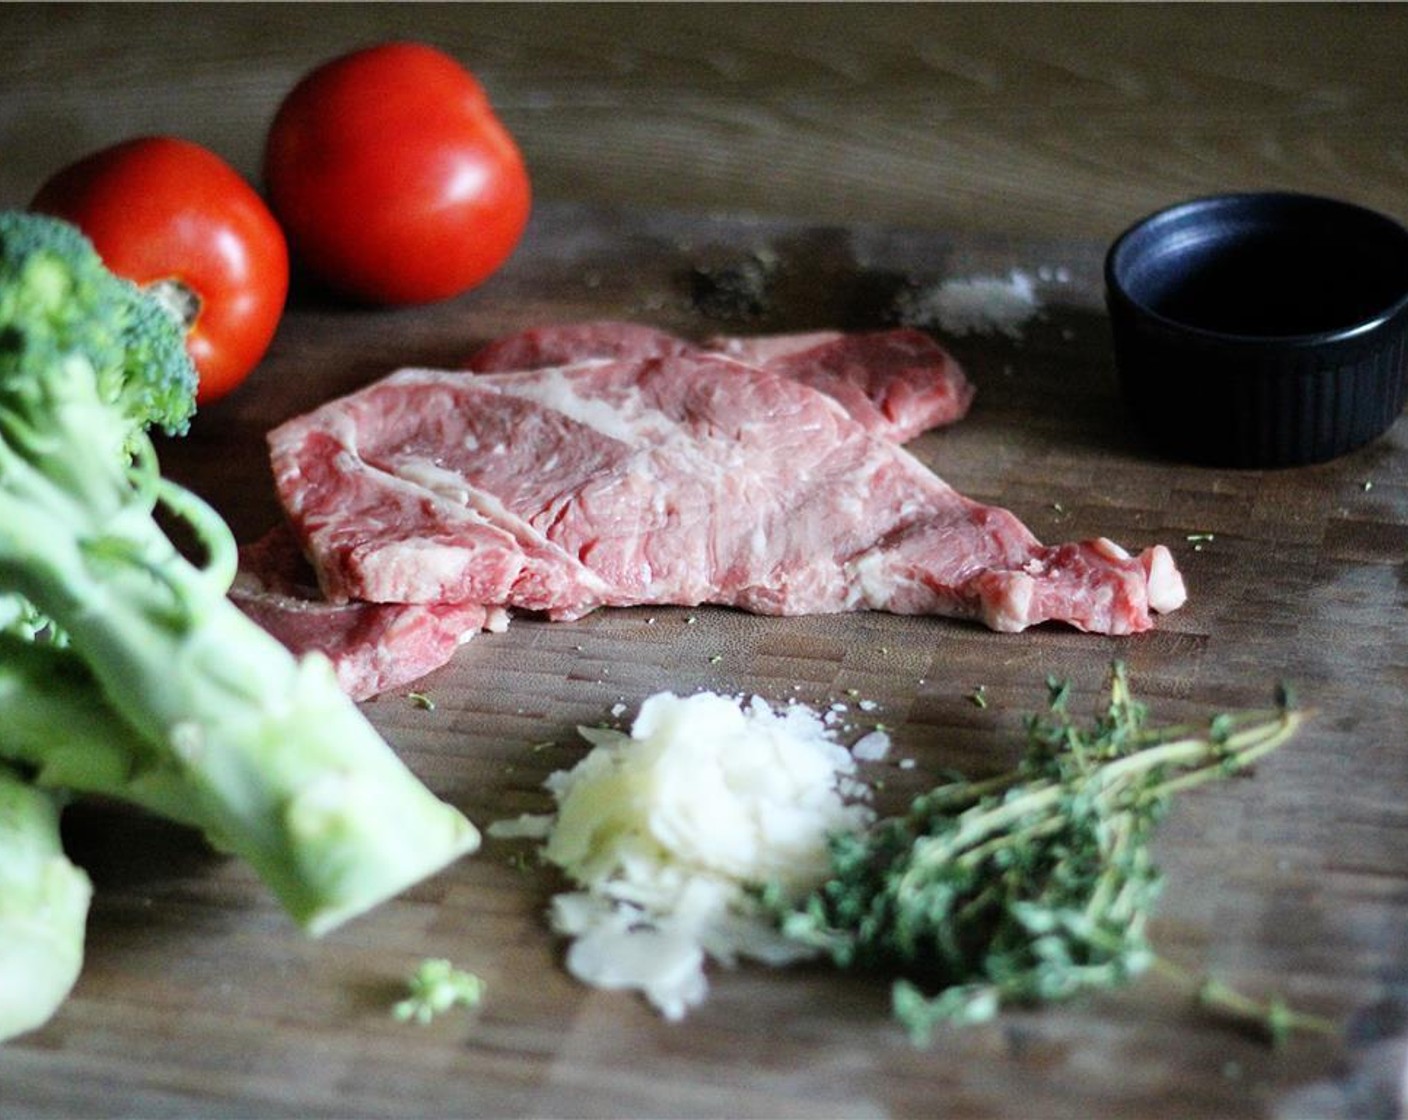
{"x":211,"y":720}
{"x":60,"y":729}
{"x":43,"y":907}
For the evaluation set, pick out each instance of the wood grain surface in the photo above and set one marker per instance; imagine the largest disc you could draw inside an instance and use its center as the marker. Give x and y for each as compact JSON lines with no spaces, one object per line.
{"x":200,"y":999}
{"x":889,"y":148}
{"x":1055,"y":120}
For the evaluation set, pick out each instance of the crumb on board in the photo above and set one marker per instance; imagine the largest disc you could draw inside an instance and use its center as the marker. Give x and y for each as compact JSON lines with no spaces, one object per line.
{"x":979,"y":305}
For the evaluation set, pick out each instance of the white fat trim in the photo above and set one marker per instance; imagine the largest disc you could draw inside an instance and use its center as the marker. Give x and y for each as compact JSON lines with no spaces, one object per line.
{"x":625,"y":421}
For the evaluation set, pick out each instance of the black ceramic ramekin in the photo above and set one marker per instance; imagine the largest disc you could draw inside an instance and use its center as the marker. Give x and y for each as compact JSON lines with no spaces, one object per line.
{"x":1260,"y":330}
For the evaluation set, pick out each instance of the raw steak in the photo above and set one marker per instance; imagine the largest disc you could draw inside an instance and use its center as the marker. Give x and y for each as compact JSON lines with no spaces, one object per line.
{"x":373,"y":647}
{"x":682,"y":479}
{"x":895,"y":383}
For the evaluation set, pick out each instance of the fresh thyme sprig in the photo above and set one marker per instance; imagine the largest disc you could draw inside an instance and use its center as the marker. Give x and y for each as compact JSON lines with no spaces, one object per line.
{"x":1036,"y":884}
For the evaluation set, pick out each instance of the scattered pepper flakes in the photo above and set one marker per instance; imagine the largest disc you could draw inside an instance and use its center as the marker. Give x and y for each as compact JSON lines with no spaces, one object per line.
{"x":738,"y":289}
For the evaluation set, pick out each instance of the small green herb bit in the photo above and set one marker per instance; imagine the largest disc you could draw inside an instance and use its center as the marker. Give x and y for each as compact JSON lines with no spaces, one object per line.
{"x":1033,"y":885}
{"x":435,"y":987}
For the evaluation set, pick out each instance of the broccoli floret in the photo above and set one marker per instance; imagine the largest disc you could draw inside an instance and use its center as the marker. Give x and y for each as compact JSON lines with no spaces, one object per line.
{"x":50,"y":274}
{"x":435,"y":987}
{"x":54,"y":283}
{"x":164,"y":692}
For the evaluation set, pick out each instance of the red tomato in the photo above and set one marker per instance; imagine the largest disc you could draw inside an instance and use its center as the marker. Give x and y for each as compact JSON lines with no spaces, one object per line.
{"x":175,"y":218}
{"x":393,"y":178}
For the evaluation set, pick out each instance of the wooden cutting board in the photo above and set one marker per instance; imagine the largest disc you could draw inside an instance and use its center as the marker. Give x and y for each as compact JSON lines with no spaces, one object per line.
{"x":200,"y":999}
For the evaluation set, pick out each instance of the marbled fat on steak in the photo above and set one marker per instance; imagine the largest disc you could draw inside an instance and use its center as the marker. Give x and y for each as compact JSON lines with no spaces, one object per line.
{"x":895,"y":383}
{"x":679,"y":478}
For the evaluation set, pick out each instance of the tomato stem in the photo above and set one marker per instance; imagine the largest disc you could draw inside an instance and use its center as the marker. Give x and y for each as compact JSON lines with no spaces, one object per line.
{"x":178,"y":299}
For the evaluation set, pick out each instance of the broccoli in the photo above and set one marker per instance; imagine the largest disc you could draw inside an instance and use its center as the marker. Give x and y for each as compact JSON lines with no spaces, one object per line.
{"x":435,"y":987}
{"x":53,"y":277}
{"x":43,"y":907}
{"x":56,"y":283}
{"x":45,"y":688}
{"x":159,"y":689}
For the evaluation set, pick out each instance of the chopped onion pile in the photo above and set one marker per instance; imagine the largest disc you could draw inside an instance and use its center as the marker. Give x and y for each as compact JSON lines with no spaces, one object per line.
{"x":665,"y":830}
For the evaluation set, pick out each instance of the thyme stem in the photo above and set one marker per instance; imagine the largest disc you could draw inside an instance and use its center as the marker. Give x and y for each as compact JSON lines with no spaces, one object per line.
{"x":1036,"y":883}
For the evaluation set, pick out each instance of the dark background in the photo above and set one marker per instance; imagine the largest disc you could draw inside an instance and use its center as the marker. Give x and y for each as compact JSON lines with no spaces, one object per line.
{"x":1060,"y":120}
